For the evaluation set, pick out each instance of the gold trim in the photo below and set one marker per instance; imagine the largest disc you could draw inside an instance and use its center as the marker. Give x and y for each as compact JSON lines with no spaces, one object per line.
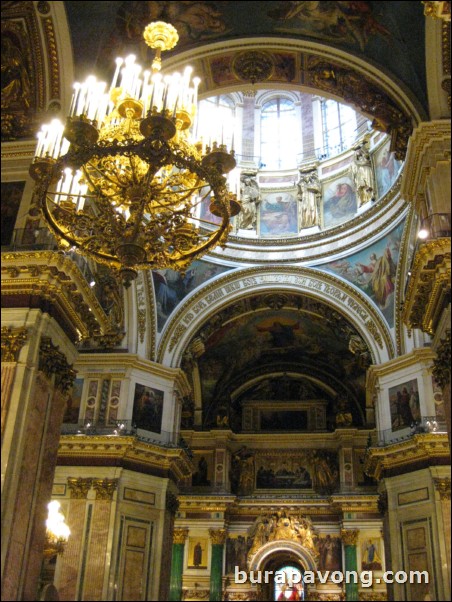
{"x":52,"y":54}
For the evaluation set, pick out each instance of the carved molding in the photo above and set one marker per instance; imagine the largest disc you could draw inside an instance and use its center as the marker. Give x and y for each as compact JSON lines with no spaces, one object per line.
{"x":79,"y":488}
{"x":105,"y":488}
{"x":442,"y":485}
{"x":13,"y":339}
{"x":218,"y":536}
{"x":437,"y":10}
{"x":180,"y":536}
{"x":350,"y":536}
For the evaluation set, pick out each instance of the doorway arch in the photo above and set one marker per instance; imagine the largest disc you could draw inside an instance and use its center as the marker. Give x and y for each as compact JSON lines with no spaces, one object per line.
{"x":274,"y":556}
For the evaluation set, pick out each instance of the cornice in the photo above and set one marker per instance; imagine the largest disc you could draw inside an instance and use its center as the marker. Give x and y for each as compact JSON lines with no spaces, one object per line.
{"x":429,"y":285}
{"x":170,"y":462}
{"x":429,"y":143}
{"x":50,"y":276}
{"x":419,"y":451}
{"x":94,"y":363}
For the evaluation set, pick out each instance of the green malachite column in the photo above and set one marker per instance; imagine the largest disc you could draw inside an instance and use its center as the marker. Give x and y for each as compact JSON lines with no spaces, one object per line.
{"x":350,"y":539}
{"x":177,"y":564}
{"x":218,"y":537}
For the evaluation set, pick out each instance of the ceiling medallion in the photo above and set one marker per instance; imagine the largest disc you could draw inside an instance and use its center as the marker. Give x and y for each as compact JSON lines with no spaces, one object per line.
{"x":253,"y":66}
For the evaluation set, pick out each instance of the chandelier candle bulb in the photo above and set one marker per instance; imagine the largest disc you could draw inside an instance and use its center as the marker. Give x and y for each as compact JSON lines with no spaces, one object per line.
{"x":126,"y":172}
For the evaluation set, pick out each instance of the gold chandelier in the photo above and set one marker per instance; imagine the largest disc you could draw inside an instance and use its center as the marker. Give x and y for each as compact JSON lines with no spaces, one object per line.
{"x":122,"y":182}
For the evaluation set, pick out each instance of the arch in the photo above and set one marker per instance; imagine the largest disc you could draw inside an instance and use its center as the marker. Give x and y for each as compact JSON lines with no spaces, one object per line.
{"x":342,"y":296}
{"x":377,"y":94}
{"x":264,"y":554}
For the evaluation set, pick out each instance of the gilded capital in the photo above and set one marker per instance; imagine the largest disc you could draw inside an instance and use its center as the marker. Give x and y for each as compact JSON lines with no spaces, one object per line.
{"x":180,"y":535}
{"x":349,"y":537}
{"x":13,"y":339}
{"x":105,"y":488}
{"x":218,"y":536}
{"x":443,"y":486}
{"x":79,"y":487}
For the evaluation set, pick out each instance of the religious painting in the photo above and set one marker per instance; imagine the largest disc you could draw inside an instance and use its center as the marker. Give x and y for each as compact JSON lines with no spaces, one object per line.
{"x":148,"y":408}
{"x":72,"y":411}
{"x":386,"y":168}
{"x":203,"y":470}
{"x":197,"y":553}
{"x":404,"y":405}
{"x":330,"y":553}
{"x":18,"y":93}
{"x":278,"y":215}
{"x":339,"y":22}
{"x":171,"y":286}
{"x":281,"y":473}
{"x":271,"y":420}
{"x":438,"y":400}
{"x":371,"y":557}
{"x":339,"y":201}
{"x":11,"y":197}
{"x":373,"y":270}
{"x":236,"y":553}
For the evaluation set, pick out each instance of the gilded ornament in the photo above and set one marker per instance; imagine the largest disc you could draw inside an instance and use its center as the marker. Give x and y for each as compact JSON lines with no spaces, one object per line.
{"x":105,"y":488}
{"x":442,"y":485}
{"x":218,"y":536}
{"x":253,"y":66}
{"x":281,"y":525}
{"x":350,"y":536}
{"x":13,"y":339}
{"x":180,"y":536}
{"x":78,"y":488}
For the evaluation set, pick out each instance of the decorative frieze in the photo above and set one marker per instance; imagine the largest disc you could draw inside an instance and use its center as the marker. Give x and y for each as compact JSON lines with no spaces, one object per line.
{"x":180,"y":535}
{"x":350,"y":536}
{"x":79,"y":488}
{"x":13,"y":339}
{"x":105,"y":488}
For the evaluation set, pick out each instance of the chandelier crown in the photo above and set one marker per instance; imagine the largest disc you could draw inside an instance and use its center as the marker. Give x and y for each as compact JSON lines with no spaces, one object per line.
{"x":123,"y":182}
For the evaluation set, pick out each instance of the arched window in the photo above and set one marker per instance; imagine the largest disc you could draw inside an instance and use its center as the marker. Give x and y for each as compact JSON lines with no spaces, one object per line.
{"x":216,"y":121}
{"x":278,"y":142}
{"x":289,"y":584}
{"x":338,"y":127}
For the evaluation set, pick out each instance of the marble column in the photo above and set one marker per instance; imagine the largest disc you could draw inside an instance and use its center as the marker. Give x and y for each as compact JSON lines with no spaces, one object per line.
{"x":350,"y":539}
{"x":218,"y":537}
{"x":177,"y":564}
